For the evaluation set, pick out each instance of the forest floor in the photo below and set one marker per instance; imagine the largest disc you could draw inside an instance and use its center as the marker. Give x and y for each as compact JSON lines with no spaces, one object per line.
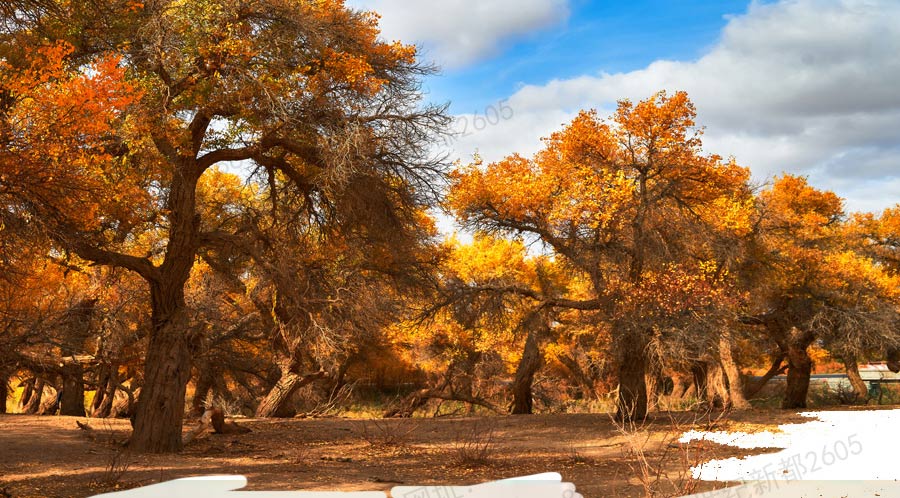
{"x":51,"y":457}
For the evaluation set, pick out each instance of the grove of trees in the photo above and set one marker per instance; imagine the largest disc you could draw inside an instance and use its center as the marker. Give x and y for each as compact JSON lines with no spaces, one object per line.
{"x":234,"y":202}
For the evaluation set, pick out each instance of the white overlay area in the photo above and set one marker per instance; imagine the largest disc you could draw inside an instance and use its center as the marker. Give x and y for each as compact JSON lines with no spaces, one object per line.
{"x":834,"y":446}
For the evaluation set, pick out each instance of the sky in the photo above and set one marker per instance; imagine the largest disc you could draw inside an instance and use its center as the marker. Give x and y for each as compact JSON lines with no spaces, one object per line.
{"x":809,"y":87}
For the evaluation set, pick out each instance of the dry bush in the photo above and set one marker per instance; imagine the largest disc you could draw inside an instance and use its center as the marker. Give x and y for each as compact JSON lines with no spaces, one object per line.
{"x":659,"y":460}
{"x":389,"y":433}
{"x":115,"y":470}
{"x":475,"y":444}
{"x":335,"y":403}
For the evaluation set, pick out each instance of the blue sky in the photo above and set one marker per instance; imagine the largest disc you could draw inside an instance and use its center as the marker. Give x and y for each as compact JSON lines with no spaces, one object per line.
{"x":605,"y":36}
{"x":806,"y":87}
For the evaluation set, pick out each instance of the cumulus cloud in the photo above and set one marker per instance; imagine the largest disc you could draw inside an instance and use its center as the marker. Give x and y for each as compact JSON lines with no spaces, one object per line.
{"x":459,"y":32}
{"x":803,"y":86}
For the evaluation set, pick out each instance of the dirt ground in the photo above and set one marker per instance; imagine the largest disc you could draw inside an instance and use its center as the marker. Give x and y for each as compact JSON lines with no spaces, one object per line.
{"x":51,"y":457}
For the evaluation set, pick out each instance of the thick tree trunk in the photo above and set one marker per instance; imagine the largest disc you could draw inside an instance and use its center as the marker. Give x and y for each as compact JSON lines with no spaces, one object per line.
{"x":50,"y":405}
{"x":709,"y":384}
{"x":159,"y":414}
{"x":71,"y":399}
{"x":679,"y":386}
{"x":716,"y":391}
{"x":123,"y":406}
{"x":861,"y":393}
{"x":33,"y":403}
{"x":529,"y":364}
{"x":276,"y":403}
{"x":893,"y":360}
{"x":27,"y":391}
{"x":632,"y":402}
{"x":736,"y":397}
{"x":798,"y":374}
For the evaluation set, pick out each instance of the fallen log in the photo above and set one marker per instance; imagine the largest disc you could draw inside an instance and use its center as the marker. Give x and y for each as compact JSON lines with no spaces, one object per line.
{"x":214,"y":418}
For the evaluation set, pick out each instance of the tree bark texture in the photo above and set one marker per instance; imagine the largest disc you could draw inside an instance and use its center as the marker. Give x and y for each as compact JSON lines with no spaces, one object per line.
{"x":632,"y":401}
{"x":860,"y":391}
{"x":736,"y":397}
{"x":799,"y":369}
{"x":528,"y":366}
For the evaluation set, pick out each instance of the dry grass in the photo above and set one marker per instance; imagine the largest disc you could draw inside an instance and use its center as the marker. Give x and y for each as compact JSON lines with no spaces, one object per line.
{"x":666,"y":472}
{"x":116,"y":468}
{"x":475,"y":445}
{"x":389,"y":433}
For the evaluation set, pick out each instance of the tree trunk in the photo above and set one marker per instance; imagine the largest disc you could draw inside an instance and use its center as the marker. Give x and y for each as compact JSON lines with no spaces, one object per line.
{"x":100,"y":388}
{"x":71,"y":399}
{"x":103,"y":408}
{"x":798,"y":374}
{"x":4,"y":390}
{"x":204,"y":385}
{"x":33,"y":403}
{"x":159,"y":414}
{"x":123,"y":406}
{"x":27,"y":391}
{"x":777,"y":368}
{"x":585,"y":383}
{"x":679,"y":386}
{"x":699,"y":378}
{"x":51,"y":405}
{"x":716,"y":392}
{"x":276,"y":403}
{"x":341,"y":374}
{"x":893,"y":360}
{"x":528,"y":366}
{"x":632,"y":401}
{"x":736,"y":397}
{"x":861,"y":393}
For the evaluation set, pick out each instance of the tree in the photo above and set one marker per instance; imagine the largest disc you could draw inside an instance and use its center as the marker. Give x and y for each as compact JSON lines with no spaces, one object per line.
{"x":107,"y":134}
{"x":815,"y":285}
{"x":626,"y":203}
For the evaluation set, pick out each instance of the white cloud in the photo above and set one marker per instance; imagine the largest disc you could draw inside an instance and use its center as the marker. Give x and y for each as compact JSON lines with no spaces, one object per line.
{"x":459,"y":32}
{"x":804,"y":86}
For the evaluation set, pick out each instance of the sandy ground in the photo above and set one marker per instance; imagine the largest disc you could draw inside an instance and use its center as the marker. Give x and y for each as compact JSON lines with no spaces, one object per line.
{"x":51,"y":457}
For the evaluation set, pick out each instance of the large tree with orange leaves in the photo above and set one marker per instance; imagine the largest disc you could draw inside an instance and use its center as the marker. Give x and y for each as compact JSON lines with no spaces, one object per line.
{"x":110,"y":113}
{"x":630,"y":203}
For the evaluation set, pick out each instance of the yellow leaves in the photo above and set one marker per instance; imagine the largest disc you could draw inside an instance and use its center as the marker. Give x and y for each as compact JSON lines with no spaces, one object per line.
{"x":489,"y":259}
{"x":855,"y":276}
